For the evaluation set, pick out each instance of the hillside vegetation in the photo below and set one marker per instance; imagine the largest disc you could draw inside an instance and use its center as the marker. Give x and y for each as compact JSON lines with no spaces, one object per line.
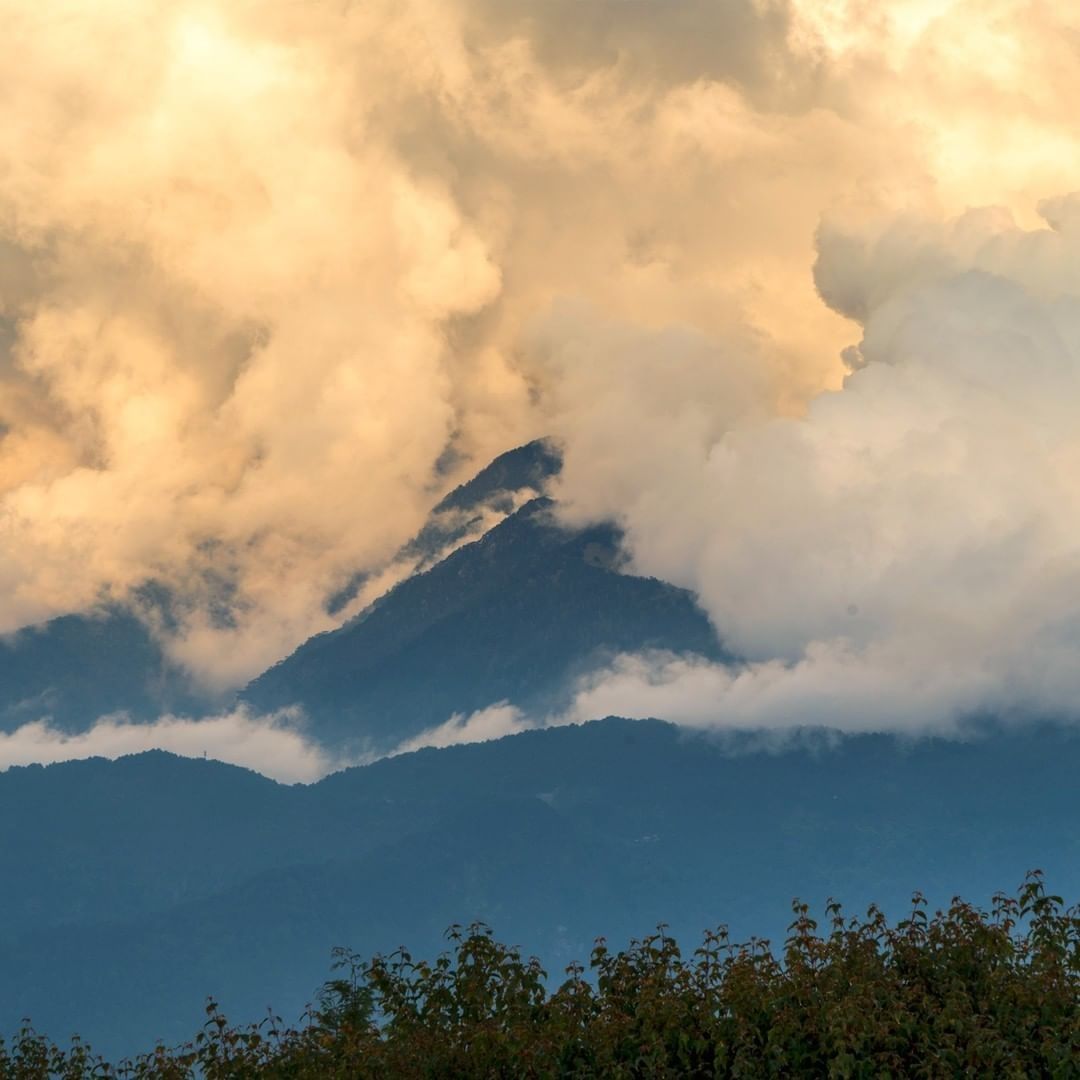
{"x":137,"y":887}
{"x":964,"y":992}
{"x":517,"y":615}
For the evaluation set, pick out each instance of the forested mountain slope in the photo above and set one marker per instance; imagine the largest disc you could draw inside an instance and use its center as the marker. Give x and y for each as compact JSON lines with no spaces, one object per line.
{"x":516,"y":615}
{"x":76,"y":668}
{"x":203,"y":879}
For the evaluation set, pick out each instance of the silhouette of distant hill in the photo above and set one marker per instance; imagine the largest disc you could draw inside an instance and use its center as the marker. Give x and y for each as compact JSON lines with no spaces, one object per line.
{"x":135,"y":888}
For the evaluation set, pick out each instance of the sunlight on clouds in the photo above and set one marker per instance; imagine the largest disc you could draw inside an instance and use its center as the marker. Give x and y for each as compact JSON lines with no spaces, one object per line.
{"x":262,"y":264}
{"x":840,"y":27}
{"x":904,"y":555}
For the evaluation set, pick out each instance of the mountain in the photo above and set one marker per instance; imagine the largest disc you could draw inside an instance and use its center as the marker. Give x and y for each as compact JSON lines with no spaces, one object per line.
{"x":466,"y":512}
{"x":135,"y":888}
{"x":76,"y":668}
{"x":515,"y":615}
{"x":100,"y":839}
{"x":500,"y":487}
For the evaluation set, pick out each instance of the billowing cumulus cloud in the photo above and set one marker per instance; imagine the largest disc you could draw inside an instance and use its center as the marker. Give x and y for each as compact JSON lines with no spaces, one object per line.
{"x":275,"y":275}
{"x":275,"y":746}
{"x":905,"y":554}
{"x":263,"y":264}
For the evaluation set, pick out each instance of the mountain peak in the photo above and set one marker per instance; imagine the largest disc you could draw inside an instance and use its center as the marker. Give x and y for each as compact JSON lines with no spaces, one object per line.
{"x":528,"y":466}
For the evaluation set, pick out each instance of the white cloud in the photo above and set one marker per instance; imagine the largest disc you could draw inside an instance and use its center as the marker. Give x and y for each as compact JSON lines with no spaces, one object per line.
{"x":494,"y":722}
{"x":261,"y":263}
{"x":906,"y":553}
{"x":830,"y":686}
{"x":273,"y":745}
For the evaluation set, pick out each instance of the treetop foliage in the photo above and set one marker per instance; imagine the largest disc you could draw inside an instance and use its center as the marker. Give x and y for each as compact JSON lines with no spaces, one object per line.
{"x":961,"y":992}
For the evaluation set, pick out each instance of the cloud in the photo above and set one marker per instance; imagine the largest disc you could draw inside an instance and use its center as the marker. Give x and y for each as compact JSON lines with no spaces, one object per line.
{"x":262,"y":264}
{"x":830,"y":686}
{"x":905,"y":554}
{"x":494,"y":722}
{"x":273,"y":745}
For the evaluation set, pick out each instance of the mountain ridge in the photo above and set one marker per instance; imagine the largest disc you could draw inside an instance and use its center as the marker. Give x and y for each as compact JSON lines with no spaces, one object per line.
{"x":515,"y":615}
{"x":553,"y":835}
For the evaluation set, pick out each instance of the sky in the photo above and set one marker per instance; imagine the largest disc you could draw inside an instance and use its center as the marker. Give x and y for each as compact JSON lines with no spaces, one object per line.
{"x":795,"y":283}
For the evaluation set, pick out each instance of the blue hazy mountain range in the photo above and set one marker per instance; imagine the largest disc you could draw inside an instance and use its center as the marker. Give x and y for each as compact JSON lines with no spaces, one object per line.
{"x":135,"y":888}
{"x":516,"y":614}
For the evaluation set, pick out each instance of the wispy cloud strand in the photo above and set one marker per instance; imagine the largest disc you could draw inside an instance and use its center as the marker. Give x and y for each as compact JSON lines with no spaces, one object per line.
{"x":275,"y":745}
